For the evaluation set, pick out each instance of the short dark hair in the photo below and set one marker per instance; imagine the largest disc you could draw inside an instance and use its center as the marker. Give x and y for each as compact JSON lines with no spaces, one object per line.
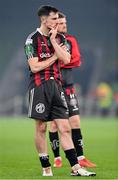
{"x":61,"y":15}
{"x":46,"y":10}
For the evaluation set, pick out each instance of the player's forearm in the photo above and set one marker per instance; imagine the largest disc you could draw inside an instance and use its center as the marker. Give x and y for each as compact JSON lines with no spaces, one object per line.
{"x":39,"y":66}
{"x":61,"y":53}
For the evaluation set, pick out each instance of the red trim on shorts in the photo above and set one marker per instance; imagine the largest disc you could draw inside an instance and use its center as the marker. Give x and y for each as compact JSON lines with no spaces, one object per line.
{"x":68,"y":91}
{"x":73,"y":90}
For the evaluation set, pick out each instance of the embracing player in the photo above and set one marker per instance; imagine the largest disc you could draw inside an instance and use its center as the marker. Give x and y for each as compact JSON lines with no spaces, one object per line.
{"x":74,"y":114}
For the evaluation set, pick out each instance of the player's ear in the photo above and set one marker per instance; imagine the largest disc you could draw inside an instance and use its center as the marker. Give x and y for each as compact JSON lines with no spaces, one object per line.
{"x":43,"y":19}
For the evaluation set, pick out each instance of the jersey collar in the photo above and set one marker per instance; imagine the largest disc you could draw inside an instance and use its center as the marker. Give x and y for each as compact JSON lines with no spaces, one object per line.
{"x":38,"y":29}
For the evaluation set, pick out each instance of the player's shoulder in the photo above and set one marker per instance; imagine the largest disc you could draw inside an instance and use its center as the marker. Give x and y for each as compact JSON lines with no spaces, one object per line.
{"x":60,"y":38}
{"x":70,"y":36}
{"x":60,"y":34}
{"x":30,"y":37}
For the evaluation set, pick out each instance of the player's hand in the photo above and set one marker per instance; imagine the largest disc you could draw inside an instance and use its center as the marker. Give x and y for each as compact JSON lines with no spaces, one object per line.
{"x":63,"y":47}
{"x":53,"y":33}
{"x":55,"y":56}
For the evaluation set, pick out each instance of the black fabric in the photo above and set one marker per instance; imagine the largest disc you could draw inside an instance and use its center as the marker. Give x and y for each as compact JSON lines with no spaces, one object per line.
{"x":44,"y":161}
{"x":71,"y":156}
{"x":67,"y":77}
{"x":77,"y":140}
{"x":38,"y":45}
{"x":54,"y":140}
{"x":72,"y":101}
{"x":47,"y":102}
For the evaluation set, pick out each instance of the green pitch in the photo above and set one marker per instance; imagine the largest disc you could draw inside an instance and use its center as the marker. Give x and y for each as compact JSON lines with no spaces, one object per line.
{"x":19,"y":160}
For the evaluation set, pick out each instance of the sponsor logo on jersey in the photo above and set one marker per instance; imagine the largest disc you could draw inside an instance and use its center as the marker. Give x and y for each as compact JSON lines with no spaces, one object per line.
{"x":43,"y":44}
{"x":45,"y":55}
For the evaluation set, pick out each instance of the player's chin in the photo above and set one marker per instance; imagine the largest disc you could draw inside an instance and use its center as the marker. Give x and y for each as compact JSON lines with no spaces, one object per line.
{"x":65,"y":30}
{"x":55,"y":25}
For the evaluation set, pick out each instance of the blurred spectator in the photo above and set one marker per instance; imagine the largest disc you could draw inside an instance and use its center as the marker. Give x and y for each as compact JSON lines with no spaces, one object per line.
{"x":104,"y":98}
{"x":116,"y":103}
{"x":115,"y":90}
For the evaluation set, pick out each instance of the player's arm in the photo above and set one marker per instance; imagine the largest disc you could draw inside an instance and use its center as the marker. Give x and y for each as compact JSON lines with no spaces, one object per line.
{"x":75,"y":52}
{"x":60,"y":51}
{"x":32,"y":56}
{"x":37,"y":66}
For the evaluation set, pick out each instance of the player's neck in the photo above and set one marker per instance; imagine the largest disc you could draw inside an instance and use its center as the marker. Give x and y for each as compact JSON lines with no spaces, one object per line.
{"x":44,"y":30}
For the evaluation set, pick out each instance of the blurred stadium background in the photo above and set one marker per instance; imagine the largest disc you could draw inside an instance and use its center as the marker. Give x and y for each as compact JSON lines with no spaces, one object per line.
{"x":93,"y":22}
{"x":95,"y":25}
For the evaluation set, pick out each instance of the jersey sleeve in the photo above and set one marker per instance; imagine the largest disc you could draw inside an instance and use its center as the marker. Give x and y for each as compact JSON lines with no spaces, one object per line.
{"x":74,"y":51}
{"x":31,"y":48}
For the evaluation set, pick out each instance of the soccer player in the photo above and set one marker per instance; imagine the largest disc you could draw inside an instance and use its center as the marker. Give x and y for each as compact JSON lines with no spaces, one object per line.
{"x":68,"y":86}
{"x":44,"y":48}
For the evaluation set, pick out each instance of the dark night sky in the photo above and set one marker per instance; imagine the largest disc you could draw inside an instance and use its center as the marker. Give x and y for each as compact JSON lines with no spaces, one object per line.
{"x":93,"y":22}
{"x":87,"y":18}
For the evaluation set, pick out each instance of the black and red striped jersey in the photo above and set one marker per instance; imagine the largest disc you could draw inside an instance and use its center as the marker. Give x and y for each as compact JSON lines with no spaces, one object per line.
{"x":39,"y":45}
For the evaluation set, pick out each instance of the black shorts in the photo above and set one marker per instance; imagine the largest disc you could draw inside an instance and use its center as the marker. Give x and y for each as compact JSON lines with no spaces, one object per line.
{"x":47,"y":102}
{"x":71,"y":100}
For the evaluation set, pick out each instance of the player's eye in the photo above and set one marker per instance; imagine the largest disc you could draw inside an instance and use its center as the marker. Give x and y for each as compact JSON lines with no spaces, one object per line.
{"x":54,"y":18}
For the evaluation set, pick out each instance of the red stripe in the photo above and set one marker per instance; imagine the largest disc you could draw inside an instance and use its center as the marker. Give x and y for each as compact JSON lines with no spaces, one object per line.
{"x":37,"y":75}
{"x":47,"y":70}
{"x":55,"y":70}
{"x":39,"y":48}
{"x":37,"y":79}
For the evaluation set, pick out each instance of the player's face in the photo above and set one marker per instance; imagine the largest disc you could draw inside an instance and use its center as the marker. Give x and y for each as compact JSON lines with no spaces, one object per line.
{"x":62,"y":25}
{"x":52,"y":20}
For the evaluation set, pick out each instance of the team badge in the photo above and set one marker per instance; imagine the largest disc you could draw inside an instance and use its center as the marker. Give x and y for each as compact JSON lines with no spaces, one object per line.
{"x":40,"y":108}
